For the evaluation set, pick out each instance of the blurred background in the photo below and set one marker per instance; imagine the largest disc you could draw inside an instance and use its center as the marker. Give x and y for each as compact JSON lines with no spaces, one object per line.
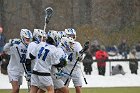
{"x":112,"y":26}
{"x":107,"y":21}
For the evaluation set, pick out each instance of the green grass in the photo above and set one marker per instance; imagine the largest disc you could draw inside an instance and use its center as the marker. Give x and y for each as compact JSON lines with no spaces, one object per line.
{"x":94,"y":90}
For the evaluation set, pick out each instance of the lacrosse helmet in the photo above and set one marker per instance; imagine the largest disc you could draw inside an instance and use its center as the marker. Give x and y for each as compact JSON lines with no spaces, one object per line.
{"x":26,"y":36}
{"x":54,"y":35}
{"x":61,"y":34}
{"x":38,"y":34}
{"x":67,"y":43}
{"x":70,"y":32}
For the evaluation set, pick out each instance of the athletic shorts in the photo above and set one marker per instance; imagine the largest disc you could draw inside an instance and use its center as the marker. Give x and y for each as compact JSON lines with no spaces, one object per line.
{"x":58,"y":83}
{"x":41,"y":81}
{"x":15,"y":76}
{"x":76,"y":76}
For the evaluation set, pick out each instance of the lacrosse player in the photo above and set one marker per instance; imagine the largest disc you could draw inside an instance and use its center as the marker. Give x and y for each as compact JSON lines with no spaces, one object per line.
{"x":38,"y":36}
{"x":60,"y":40}
{"x":17,"y":49}
{"x":72,"y":57}
{"x":47,"y":56}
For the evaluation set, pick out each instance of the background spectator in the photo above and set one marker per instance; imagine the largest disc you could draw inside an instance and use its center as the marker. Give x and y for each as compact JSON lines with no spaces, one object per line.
{"x":87,"y":63}
{"x":123,"y":48}
{"x":94,"y":47}
{"x":137,"y":47}
{"x":118,"y":69}
{"x":133,"y":65}
{"x":2,"y":43}
{"x":2,"y":40}
{"x":5,"y":61}
{"x":101,"y":55}
{"x":112,"y":50}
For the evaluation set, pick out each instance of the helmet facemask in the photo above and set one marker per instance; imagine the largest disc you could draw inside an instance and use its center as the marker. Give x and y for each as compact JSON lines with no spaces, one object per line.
{"x":39,"y":35}
{"x":67,"y":43}
{"x":71,"y":33}
{"x":26,"y":36}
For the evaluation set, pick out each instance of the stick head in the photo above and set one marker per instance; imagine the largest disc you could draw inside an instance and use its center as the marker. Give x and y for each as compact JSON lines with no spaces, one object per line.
{"x":49,"y":13}
{"x":86,"y":46}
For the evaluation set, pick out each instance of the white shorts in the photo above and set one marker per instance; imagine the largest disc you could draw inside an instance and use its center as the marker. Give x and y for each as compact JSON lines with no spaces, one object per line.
{"x":41,"y":81}
{"x":58,"y":83}
{"x":15,"y":76}
{"x":76,"y":76}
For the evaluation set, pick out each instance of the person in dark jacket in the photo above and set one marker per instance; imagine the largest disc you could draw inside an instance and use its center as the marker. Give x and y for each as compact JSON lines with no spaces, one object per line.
{"x":133,"y":65}
{"x":87,"y":63}
{"x":101,"y":56}
{"x":123,"y":48}
{"x":2,"y":40}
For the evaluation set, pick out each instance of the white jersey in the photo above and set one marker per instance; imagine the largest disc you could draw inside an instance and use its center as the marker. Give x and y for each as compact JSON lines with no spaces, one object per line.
{"x":47,"y":55}
{"x":72,"y":56}
{"x":76,"y":74}
{"x":14,"y":63}
{"x":61,"y":54}
{"x":58,"y":83}
{"x":31,"y":47}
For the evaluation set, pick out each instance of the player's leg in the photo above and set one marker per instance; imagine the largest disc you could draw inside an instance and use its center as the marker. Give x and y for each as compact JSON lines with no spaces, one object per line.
{"x":47,"y":88}
{"x":59,"y":85}
{"x":15,"y":87}
{"x":62,"y":90}
{"x":33,"y":89}
{"x":50,"y":89}
{"x":41,"y":91}
{"x":78,"y":89}
{"x":77,"y":80}
{"x":46,"y":84}
{"x":15,"y":80}
{"x":34,"y":84}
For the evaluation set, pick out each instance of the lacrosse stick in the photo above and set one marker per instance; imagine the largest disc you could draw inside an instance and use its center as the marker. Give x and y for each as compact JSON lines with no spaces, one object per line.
{"x":49,"y":13}
{"x":86,"y":46}
{"x":25,"y":70}
{"x":83,"y":76}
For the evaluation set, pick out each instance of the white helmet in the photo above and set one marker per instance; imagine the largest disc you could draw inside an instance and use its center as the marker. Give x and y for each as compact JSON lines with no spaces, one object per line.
{"x":26,"y":34}
{"x":67,"y":43}
{"x":71,"y":33}
{"x":61,"y":34}
{"x":38,"y":34}
{"x":54,"y":35}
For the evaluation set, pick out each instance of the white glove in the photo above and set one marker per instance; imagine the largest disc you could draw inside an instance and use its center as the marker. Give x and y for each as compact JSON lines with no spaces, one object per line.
{"x":14,"y":41}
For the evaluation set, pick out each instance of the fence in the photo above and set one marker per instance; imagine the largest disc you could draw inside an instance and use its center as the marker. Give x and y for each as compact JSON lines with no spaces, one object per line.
{"x":112,"y":61}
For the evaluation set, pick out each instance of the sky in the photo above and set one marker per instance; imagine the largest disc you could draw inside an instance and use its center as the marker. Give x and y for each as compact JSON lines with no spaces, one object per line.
{"x":95,"y":80}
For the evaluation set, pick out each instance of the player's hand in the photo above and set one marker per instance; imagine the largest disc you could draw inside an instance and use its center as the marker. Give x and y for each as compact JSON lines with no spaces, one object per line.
{"x":14,"y":41}
{"x":63,"y":61}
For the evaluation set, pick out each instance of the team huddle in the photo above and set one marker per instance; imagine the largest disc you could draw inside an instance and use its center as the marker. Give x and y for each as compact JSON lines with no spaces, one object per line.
{"x":46,"y":60}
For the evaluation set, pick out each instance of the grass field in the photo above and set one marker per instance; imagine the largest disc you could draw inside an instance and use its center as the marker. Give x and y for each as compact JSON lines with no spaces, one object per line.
{"x":94,"y":90}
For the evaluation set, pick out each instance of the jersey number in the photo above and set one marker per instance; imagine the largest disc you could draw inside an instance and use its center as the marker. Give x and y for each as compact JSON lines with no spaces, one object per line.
{"x":70,"y":57}
{"x":44,"y":54}
{"x":23,"y":58}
